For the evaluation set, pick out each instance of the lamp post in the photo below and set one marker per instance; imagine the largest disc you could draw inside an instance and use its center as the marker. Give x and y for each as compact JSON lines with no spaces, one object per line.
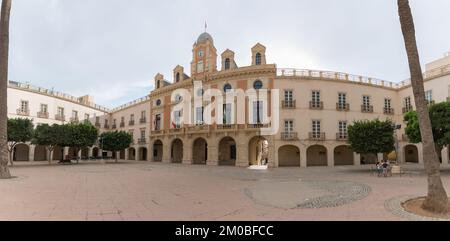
{"x":396,"y":127}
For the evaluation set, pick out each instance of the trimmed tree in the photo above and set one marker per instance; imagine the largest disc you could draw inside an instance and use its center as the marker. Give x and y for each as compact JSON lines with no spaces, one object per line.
{"x":115,"y":141}
{"x":371,"y":137}
{"x":46,"y":135}
{"x":19,"y":131}
{"x":82,"y":135}
{"x":440,"y":125}
{"x":63,"y":136}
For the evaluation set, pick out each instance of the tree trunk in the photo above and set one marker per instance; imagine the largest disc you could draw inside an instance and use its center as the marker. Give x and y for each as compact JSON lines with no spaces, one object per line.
{"x":4,"y":51}
{"x":436,"y":200}
{"x":49,"y":155}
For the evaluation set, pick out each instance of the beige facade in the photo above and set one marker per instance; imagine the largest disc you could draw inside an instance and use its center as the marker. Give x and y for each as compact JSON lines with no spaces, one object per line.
{"x":315,"y":109}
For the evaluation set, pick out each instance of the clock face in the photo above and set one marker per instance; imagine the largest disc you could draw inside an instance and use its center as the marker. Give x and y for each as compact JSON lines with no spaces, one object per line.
{"x":200,"y":53}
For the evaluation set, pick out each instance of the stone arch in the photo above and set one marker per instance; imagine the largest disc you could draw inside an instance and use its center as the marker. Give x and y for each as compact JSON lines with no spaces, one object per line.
{"x":122,"y":155}
{"x":411,"y":153}
{"x":227,"y":152}
{"x":95,"y":152}
{"x":177,"y":151}
{"x":343,"y":155}
{"x":316,"y":155}
{"x":199,"y":151}
{"x":21,"y":152}
{"x":158,"y":151}
{"x":142,"y":154}
{"x":258,"y":151}
{"x":58,"y":153}
{"x":40,"y":153}
{"x":85,"y":153}
{"x":131,"y":154}
{"x":289,"y":156}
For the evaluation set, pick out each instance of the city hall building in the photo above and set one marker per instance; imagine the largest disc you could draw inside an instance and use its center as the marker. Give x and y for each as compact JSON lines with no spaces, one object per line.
{"x":314,"y":109}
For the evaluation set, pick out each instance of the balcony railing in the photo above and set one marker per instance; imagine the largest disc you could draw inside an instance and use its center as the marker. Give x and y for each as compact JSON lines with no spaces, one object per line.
{"x":97,"y":124}
{"x":122,"y":124}
{"x":198,"y":128}
{"x":114,"y":126}
{"x":367,"y":108}
{"x":131,"y":123}
{"x":43,"y":115}
{"x":106,"y":126}
{"x":226,"y":127}
{"x":407,"y":109}
{"x":23,"y":112}
{"x":74,"y":119}
{"x":177,"y":130}
{"x":257,"y":126}
{"x":142,"y":141}
{"x":288,"y":104}
{"x":341,"y":136}
{"x":289,"y":136}
{"x":316,"y":105}
{"x":143,"y":120}
{"x":389,"y":111}
{"x":59,"y":117}
{"x":342,"y":106}
{"x":317,"y":136}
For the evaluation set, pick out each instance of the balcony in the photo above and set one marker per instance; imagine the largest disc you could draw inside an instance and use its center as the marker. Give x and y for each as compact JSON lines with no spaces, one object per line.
{"x":131,"y":123}
{"x":60,"y":117}
{"x":157,"y":133}
{"x":97,"y":124}
{"x":23,"y":112}
{"x":367,"y":108}
{"x":388,"y":111}
{"x":143,"y":120}
{"x":257,"y":126}
{"x":289,"y":136}
{"x":407,"y":109}
{"x":114,"y":126}
{"x":341,"y":136}
{"x":142,"y":141}
{"x":74,"y":119}
{"x":316,"y":105}
{"x":43,"y":115}
{"x":342,"y":106}
{"x":198,"y":129}
{"x":122,"y":124}
{"x":226,"y":127}
{"x":288,"y":104}
{"x":317,"y":136}
{"x":106,"y":126}
{"x":177,"y":131}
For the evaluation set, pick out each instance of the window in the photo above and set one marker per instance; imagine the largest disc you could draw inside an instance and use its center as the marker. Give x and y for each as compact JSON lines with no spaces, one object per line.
{"x":23,"y":106}
{"x":200,"y":67}
{"x":199,"y":116}
{"x":74,"y":114}
{"x":157,"y":122}
{"x":227,"y":87}
{"x":142,"y":134}
{"x":200,"y":92}
{"x":97,"y":119}
{"x":407,"y":104}
{"x":87,"y":117}
{"x":316,"y":128}
{"x":227,"y":114}
{"x":200,"y":53}
{"x":177,"y":78}
{"x":177,"y":121}
{"x":131,"y":132}
{"x":122,"y":119}
{"x":288,"y":96}
{"x":60,"y":111}
{"x":258,"y":59}
{"x":158,"y":84}
{"x":44,"y":108}
{"x":143,"y":114}
{"x":342,"y":129}
{"x":178,"y":98}
{"x":366,"y":101}
{"x":132,"y":117}
{"x":258,"y":84}
{"x":315,"y":99}
{"x":158,"y":102}
{"x":342,"y":100}
{"x":258,"y":112}
{"x":387,"y":104}
{"x":289,"y":126}
{"x":106,"y":122}
{"x":429,"y":96}
{"x":114,"y":122}
{"x":227,"y":63}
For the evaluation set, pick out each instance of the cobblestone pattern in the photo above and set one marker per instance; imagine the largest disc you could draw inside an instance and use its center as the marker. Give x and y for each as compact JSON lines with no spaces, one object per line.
{"x":343,"y":193}
{"x":394,"y":205}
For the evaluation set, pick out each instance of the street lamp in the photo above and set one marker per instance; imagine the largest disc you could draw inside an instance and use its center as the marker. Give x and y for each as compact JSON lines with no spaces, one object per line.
{"x":396,"y":127}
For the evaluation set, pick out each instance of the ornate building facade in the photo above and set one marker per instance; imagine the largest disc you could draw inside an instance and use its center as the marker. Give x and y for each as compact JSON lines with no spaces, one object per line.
{"x":315,"y":109}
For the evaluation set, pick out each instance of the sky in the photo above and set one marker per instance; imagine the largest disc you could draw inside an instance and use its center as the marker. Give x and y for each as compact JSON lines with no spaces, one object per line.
{"x":112,"y":49}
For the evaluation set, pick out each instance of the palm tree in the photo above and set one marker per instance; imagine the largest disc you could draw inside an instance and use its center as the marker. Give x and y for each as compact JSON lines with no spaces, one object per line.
{"x":436,"y":200}
{"x":4,"y":50}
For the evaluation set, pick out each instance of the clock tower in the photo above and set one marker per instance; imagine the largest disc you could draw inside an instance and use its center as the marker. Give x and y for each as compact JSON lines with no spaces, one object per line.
{"x":204,"y":57}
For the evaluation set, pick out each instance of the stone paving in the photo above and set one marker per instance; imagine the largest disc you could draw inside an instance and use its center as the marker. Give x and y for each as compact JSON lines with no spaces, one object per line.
{"x":156,"y":191}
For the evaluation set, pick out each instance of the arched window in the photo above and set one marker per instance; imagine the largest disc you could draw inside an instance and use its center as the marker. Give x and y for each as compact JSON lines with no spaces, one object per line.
{"x":158,"y":102}
{"x":258,"y":59}
{"x":258,"y":84}
{"x":227,"y":87}
{"x":177,"y":78}
{"x":227,"y":63}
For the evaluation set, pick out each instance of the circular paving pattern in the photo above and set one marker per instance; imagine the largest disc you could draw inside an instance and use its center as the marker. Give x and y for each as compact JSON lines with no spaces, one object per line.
{"x":307,"y":194}
{"x":394,"y":205}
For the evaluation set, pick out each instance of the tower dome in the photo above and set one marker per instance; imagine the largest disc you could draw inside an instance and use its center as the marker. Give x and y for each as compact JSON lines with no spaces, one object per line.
{"x":203,"y":37}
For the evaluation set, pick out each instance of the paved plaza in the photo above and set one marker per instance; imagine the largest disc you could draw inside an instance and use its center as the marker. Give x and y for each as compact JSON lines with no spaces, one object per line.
{"x":157,"y":191}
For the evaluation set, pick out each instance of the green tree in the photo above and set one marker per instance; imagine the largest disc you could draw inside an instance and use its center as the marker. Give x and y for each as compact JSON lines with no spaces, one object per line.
{"x":115,"y":141}
{"x":46,"y":135}
{"x":4,"y":53}
{"x":82,"y":135}
{"x":19,"y":131}
{"x":440,"y":125}
{"x":436,"y":200}
{"x":62,"y":137}
{"x":371,"y":137}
